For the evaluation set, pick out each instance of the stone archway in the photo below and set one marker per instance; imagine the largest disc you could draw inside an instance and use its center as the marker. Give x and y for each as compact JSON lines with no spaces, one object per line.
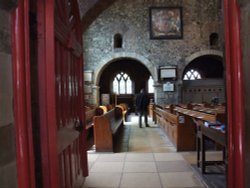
{"x":195,"y":55}
{"x":106,"y":61}
{"x":208,"y":65}
{"x":111,"y":58}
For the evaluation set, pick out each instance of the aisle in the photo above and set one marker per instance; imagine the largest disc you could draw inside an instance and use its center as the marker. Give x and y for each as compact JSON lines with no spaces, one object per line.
{"x":147,"y":159}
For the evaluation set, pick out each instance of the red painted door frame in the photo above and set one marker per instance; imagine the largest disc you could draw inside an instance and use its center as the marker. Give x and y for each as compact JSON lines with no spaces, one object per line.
{"x":60,"y":82}
{"x":47,"y":100}
{"x":22,"y":98}
{"x":234,"y":80}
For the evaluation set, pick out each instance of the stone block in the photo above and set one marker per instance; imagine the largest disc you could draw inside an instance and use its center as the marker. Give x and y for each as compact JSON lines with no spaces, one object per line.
{"x":7,"y":145}
{"x":8,"y":4}
{"x":8,"y":176}
{"x":6,"y":88}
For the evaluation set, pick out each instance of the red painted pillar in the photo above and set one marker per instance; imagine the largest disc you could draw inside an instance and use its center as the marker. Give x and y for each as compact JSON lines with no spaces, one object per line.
{"x":22,"y":98}
{"x":236,"y":142}
{"x":46,"y":87}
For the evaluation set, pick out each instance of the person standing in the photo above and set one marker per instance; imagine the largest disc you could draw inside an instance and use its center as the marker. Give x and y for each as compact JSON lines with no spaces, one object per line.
{"x":142,"y":102}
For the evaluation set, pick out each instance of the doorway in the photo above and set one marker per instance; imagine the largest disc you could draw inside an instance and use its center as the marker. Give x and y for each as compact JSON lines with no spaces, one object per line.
{"x":111,"y":77}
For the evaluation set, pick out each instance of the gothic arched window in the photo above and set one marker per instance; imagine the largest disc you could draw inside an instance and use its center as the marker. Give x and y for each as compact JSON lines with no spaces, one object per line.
{"x":192,"y":75}
{"x":122,"y":84}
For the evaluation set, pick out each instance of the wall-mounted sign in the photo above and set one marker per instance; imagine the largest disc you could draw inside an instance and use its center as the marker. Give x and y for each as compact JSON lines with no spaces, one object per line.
{"x":105,"y":98}
{"x":88,"y":76}
{"x":168,"y":86}
{"x":168,"y":72}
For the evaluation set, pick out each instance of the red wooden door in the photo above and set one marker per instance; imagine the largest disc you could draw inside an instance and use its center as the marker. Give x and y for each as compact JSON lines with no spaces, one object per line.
{"x":60,"y":69}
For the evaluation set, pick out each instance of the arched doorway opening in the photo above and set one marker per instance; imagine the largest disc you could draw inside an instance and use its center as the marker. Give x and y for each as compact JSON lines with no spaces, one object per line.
{"x":129,"y":76}
{"x":209,"y":66}
{"x":203,"y":80}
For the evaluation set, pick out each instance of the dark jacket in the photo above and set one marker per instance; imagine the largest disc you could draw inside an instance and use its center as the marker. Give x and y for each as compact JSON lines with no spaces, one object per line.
{"x":142,"y":102}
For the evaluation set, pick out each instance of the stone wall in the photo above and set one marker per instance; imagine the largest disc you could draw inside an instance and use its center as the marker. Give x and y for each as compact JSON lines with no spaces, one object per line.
{"x":8,"y":176}
{"x":131,"y":20}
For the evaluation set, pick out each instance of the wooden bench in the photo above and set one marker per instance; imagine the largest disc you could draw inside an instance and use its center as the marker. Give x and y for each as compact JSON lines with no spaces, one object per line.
{"x":90,"y":112}
{"x":199,"y":118}
{"x":206,"y":115}
{"x":151,"y":110}
{"x":219,"y":112}
{"x":104,"y":109}
{"x":106,"y":127}
{"x":182,"y":135}
{"x":124,"y":108}
{"x":218,"y":136}
{"x":169,"y":108}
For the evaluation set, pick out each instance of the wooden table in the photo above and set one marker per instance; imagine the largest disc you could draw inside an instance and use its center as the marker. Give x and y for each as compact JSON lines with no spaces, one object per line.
{"x":217,"y":136}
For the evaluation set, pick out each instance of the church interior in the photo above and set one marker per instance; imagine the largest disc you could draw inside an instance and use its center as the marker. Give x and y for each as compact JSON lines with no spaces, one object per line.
{"x":71,"y":73}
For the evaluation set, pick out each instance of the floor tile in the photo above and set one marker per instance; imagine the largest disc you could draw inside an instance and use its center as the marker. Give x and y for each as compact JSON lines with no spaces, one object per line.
{"x":95,"y":180}
{"x":140,"y":180}
{"x":111,"y":157}
{"x":172,"y":166}
{"x":163,"y":149}
{"x":139,"y":157}
{"x":179,"y":179}
{"x":168,"y":157}
{"x":92,"y":157}
{"x":107,"y":167}
{"x":140,"y":167}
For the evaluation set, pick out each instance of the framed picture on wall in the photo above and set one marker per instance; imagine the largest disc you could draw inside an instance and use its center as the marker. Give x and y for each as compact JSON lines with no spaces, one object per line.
{"x":165,"y":22}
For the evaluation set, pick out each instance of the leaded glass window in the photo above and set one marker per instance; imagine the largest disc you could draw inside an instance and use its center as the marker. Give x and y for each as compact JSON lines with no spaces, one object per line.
{"x":122,"y":84}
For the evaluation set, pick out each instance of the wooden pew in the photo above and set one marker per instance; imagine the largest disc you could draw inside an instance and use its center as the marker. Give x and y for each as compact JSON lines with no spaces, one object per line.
{"x":106,"y":127}
{"x":90,"y":112}
{"x":124,"y":108}
{"x":102,"y":109}
{"x":199,"y":118}
{"x":169,"y":108}
{"x":151,"y":111}
{"x":182,"y":135}
{"x":218,"y":111}
{"x":209,"y":115}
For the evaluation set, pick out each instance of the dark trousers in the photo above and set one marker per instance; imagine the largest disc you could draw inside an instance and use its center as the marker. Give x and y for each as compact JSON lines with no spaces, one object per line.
{"x":145,"y":114}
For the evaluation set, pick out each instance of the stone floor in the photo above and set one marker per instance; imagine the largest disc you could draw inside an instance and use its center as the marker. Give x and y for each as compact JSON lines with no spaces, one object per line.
{"x":144,"y":159}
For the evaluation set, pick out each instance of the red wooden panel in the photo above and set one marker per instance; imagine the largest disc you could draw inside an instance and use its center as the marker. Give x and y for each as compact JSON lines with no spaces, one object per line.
{"x":61,"y":86}
{"x":236,"y":141}
{"x":46,"y":85}
{"x":71,"y":112}
{"x":22,"y":98}
{"x":62,"y":171}
{"x":67,"y":168}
